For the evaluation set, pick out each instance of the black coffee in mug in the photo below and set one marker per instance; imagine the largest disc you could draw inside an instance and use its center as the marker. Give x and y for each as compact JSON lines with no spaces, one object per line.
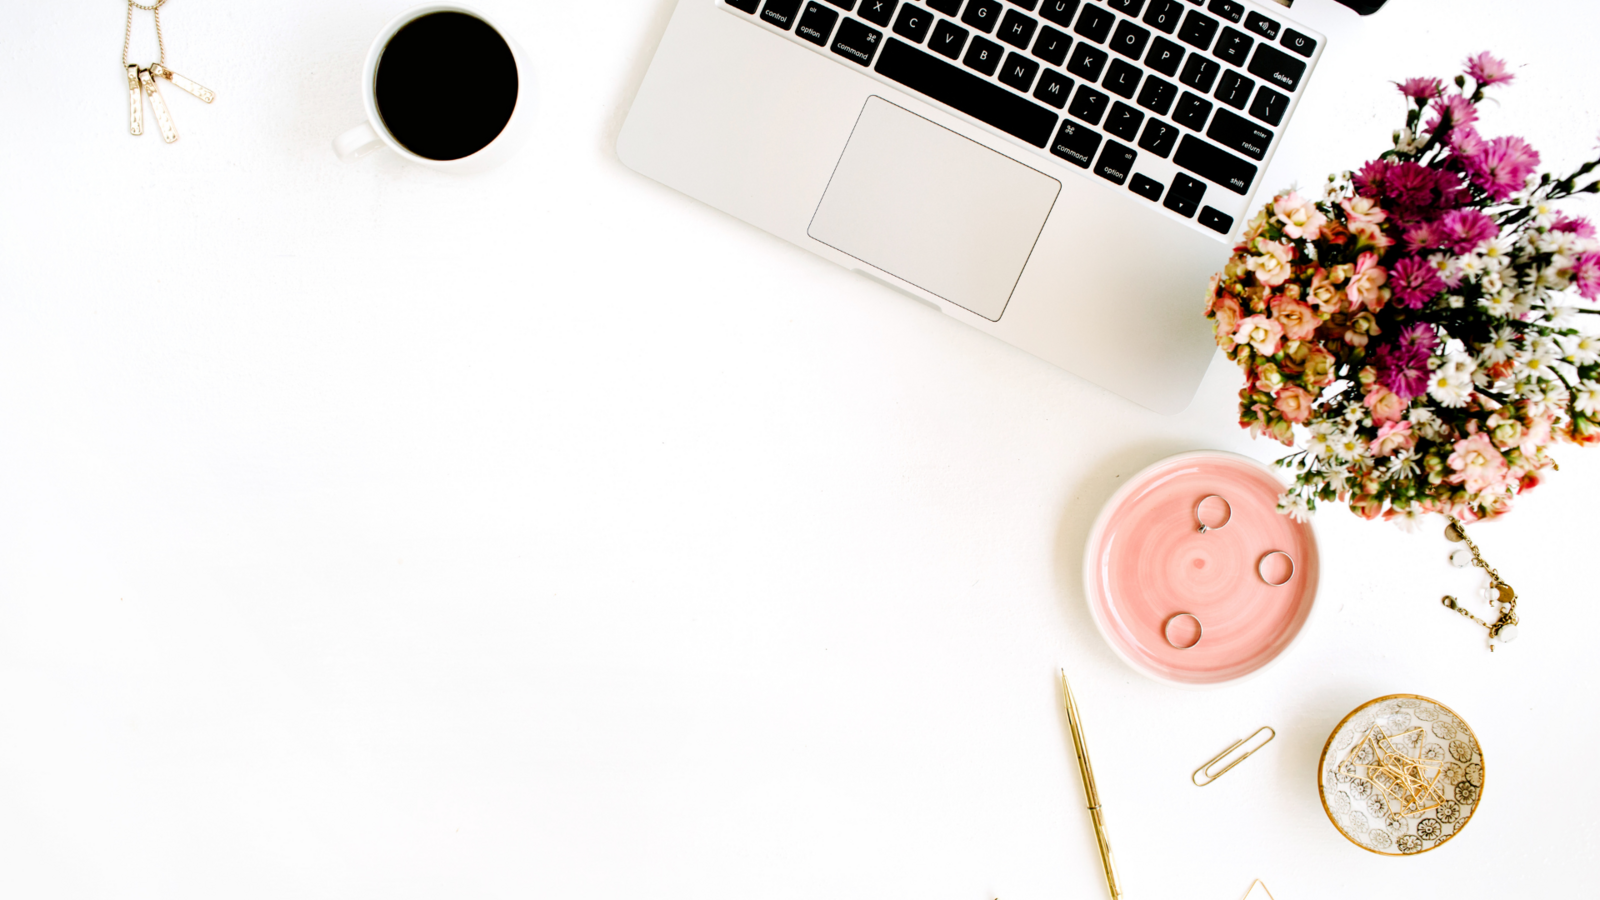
{"x":446,"y":85}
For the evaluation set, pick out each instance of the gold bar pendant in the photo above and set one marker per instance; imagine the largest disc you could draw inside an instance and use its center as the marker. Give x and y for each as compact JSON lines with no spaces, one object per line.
{"x":169,"y":133}
{"x":204,"y":93}
{"x":135,"y":102}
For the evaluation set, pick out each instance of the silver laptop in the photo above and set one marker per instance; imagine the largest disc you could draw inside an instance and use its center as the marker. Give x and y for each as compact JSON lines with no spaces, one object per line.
{"x":1062,"y":174}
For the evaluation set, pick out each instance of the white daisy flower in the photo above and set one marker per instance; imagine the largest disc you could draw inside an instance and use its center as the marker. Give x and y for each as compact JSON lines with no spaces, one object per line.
{"x":1491,"y":283}
{"x":1587,"y":398}
{"x":1408,"y":520}
{"x":1583,"y":350}
{"x":1349,"y":446}
{"x":1500,"y":303}
{"x":1562,"y":316}
{"x":1320,"y":443}
{"x":1455,"y":301}
{"x":1294,"y":507}
{"x":1501,"y":345}
{"x":1450,"y":390}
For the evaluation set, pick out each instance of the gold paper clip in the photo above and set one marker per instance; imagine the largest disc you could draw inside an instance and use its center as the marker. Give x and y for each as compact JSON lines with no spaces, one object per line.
{"x":1211,"y":776}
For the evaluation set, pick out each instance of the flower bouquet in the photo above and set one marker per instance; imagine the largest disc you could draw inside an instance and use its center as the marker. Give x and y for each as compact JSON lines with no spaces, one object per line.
{"x":1415,"y":331}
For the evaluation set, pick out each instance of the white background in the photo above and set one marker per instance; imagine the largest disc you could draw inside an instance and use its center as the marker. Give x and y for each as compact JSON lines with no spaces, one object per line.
{"x":371,"y":532}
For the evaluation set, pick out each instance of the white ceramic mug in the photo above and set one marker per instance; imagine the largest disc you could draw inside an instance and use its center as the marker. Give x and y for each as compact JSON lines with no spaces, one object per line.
{"x":362,"y":139}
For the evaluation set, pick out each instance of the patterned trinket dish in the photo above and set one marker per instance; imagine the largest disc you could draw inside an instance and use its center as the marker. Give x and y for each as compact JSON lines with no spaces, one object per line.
{"x":1400,"y":775}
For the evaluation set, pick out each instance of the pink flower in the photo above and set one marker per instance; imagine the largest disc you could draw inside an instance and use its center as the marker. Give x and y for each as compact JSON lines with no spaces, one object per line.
{"x":1414,"y":282}
{"x":1579,"y":226}
{"x":1386,"y":405}
{"x":1272,"y":266}
{"x":1466,"y":230}
{"x":1451,"y":111}
{"x":1586,"y":275}
{"x":1294,"y":403}
{"x":1363,"y":210}
{"x":1319,"y":368}
{"x":1300,"y":218}
{"x":1486,"y":70}
{"x":1420,"y":88}
{"x":1325,"y":293}
{"x":1298,"y":320}
{"x":1260,"y":333}
{"x":1393,"y":436}
{"x":1366,"y":286}
{"x":1477,"y":464}
{"x":1465,"y":141}
{"x":1369,"y":235}
{"x":1503,"y":167}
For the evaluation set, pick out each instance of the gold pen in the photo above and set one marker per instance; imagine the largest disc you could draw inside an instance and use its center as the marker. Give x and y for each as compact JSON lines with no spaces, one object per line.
{"x":1088,"y":787}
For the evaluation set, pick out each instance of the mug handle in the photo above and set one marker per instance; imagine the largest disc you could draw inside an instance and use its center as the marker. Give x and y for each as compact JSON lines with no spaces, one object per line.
{"x":356,"y":142}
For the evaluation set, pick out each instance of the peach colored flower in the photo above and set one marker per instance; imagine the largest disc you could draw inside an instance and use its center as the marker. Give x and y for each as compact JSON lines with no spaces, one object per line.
{"x":1300,"y":217}
{"x":1367,"y":507}
{"x":1226,"y":310}
{"x":1386,"y":405}
{"x":1371,"y":236}
{"x":1294,"y":403}
{"x":1260,"y":333}
{"x":1325,"y":293}
{"x":1366,"y":285}
{"x":1362,"y":211}
{"x":1319,"y":368}
{"x":1298,"y":320}
{"x":1477,"y":464}
{"x":1393,"y":436}
{"x":1272,"y":266}
{"x":1360,"y":330}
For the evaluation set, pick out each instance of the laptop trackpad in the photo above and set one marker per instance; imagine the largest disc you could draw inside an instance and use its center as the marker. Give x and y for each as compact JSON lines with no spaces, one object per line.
{"x":933,"y":208}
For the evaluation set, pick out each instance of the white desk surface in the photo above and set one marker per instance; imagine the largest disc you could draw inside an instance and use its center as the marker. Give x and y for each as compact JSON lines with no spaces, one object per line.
{"x":372,"y":532}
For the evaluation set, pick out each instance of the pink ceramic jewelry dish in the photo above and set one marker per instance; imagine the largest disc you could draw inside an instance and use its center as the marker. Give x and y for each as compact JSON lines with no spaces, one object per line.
{"x":1147,"y":561}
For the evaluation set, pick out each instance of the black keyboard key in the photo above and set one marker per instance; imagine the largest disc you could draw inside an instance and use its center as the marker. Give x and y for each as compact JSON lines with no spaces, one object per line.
{"x":1094,"y":23}
{"x":1214,"y":164}
{"x":1233,"y":47}
{"x":1054,"y":88}
{"x":1130,"y":39}
{"x":1018,"y":72}
{"x":1126,"y":7}
{"x":816,"y":23}
{"x":845,"y":5}
{"x":1269,"y":106}
{"x":781,"y":13}
{"x":1256,"y":22}
{"x":748,"y":6}
{"x":1192,"y":112}
{"x":1123,"y":79}
{"x":1198,"y":29}
{"x":1059,"y":11}
{"x":1200,"y":73}
{"x":1184,"y":196}
{"x":878,"y":12}
{"x":913,"y":23}
{"x":1234,"y":89}
{"x":948,"y":7}
{"x":1088,"y":62}
{"x":1088,"y":104}
{"x":1157,"y":95}
{"x":1277,"y":67}
{"x":1075,"y":143}
{"x":982,"y":15}
{"x":1124,"y":121}
{"x":1016,"y":29}
{"x":1298,"y":42}
{"x":1159,"y":137}
{"x":1116,"y":162}
{"x":983,"y":100}
{"x":1216,"y":220}
{"x":856,"y":42}
{"x":948,"y":39}
{"x":1163,"y":15}
{"x":1239,"y":134}
{"x":984,"y":55}
{"x":1232,"y":10}
{"x":1146,"y":187}
{"x":1052,"y":46}
{"x":1164,"y":57}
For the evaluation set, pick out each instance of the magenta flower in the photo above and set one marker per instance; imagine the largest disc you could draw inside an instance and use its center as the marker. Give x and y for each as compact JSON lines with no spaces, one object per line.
{"x":1419,"y":337}
{"x":1411,"y":184}
{"x":1423,"y":235}
{"x":1503,"y":167}
{"x":1466,"y":230}
{"x":1465,"y":141}
{"x":1452,"y":111}
{"x":1578,"y":226}
{"x":1586,"y":275}
{"x":1402,"y":371}
{"x":1373,"y":179}
{"x":1420,"y":88}
{"x":1486,"y":70}
{"x":1414,"y":282}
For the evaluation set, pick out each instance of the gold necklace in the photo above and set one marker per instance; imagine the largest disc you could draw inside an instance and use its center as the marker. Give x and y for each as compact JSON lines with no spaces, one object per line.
{"x":142,"y":79}
{"x":1504,"y":629}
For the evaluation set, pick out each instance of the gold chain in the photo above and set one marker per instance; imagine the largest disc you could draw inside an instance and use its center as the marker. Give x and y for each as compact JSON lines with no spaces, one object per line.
{"x":1504,"y":627}
{"x":127,"y":29}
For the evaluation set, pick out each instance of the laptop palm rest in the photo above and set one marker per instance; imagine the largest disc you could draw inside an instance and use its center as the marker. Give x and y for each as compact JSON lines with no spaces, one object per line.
{"x":933,"y":208}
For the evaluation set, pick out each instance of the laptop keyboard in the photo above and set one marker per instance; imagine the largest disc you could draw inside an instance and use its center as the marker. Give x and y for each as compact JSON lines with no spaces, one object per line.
{"x":1179,"y":103}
